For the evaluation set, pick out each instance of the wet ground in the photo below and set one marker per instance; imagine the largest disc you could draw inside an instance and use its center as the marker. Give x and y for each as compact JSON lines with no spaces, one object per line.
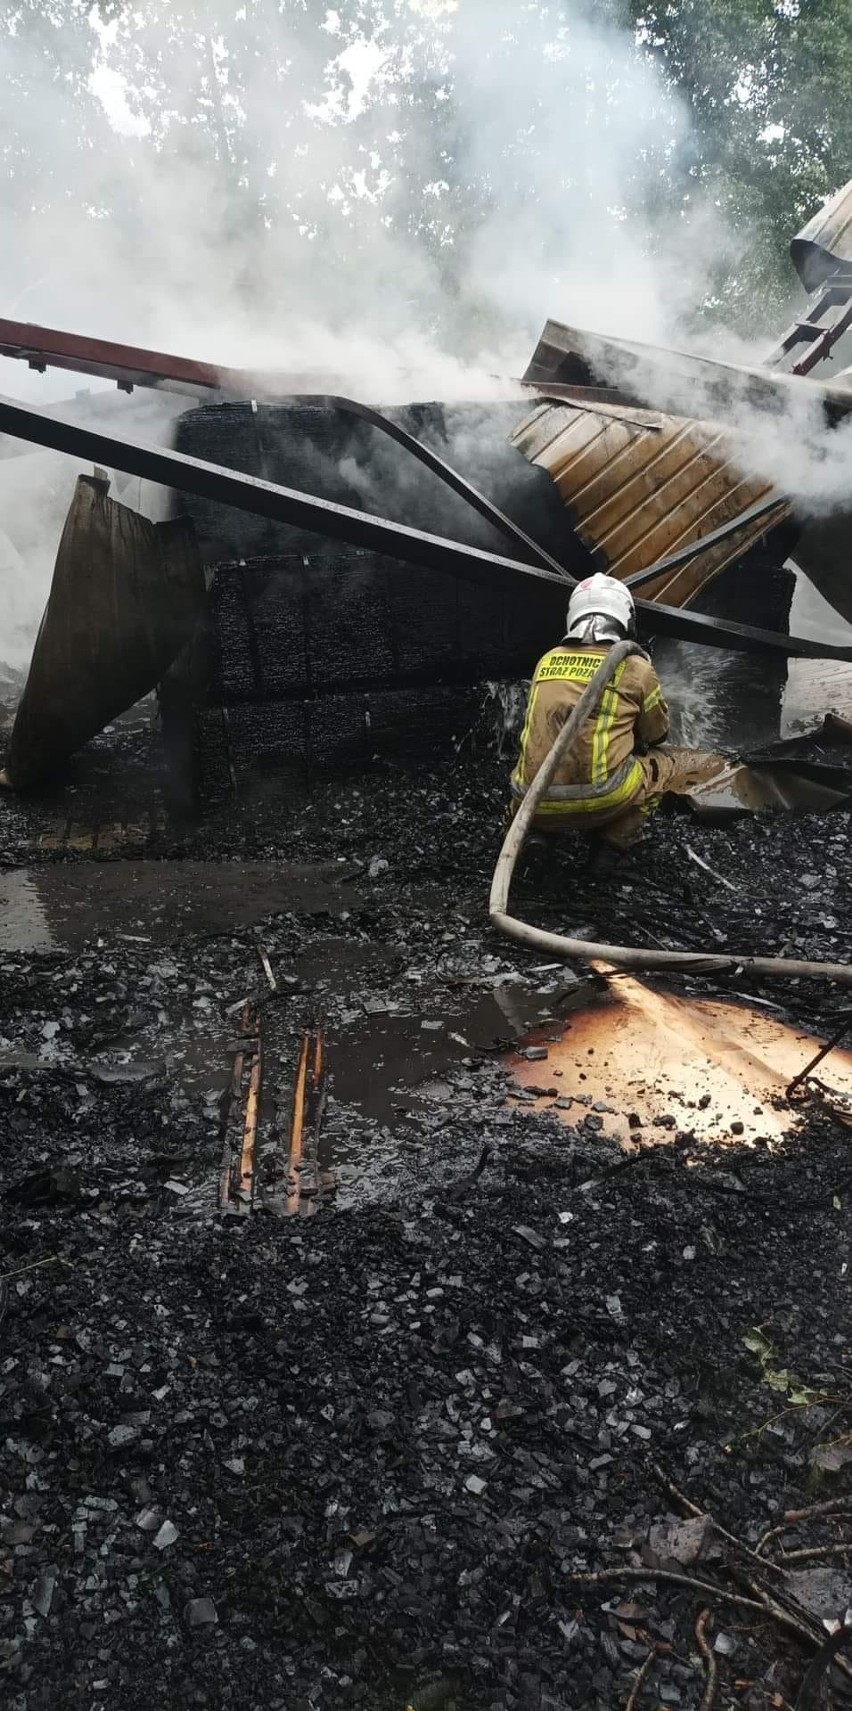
{"x":645,"y":1058}
{"x":66,"y":905}
{"x":357,"y":1456}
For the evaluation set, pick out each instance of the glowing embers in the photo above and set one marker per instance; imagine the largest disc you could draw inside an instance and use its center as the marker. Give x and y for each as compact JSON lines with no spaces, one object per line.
{"x":645,"y":1066}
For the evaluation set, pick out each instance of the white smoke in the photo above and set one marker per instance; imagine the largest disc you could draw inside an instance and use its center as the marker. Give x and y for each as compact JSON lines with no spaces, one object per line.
{"x":289,"y":189}
{"x":791,"y":430}
{"x":337,"y":234}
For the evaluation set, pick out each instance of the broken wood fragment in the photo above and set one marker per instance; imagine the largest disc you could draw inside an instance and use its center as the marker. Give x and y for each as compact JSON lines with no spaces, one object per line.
{"x":641,"y":1677}
{"x":303,"y":1174}
{"x":239,"y":1142}
{"x":706,"y":1650}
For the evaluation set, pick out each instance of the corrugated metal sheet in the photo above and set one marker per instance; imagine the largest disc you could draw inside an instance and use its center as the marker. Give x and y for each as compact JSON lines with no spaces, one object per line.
{"x":640,"y":484}
{"x":825,"y":243}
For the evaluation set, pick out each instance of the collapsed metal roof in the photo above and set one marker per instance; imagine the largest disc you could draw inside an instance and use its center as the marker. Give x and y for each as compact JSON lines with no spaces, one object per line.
{"x":653,"y":450}
{"x":641,"y":486}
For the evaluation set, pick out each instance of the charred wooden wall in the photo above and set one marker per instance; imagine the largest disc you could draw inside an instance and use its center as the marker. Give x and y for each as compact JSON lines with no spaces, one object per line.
{"x":320,"y":655}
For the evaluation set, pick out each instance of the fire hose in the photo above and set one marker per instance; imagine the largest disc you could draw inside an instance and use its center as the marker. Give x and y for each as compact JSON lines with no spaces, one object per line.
{"x":620,"y":956}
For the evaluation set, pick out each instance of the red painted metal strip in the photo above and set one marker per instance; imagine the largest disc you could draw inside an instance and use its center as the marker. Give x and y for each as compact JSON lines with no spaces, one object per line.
{"x":132,"y":365}
{"x":49,"y":347}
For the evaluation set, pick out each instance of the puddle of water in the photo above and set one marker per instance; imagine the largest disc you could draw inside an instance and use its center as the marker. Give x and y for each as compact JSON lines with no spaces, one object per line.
{"x":720,"y":1069}
{"x":426,"y":1067}
{"x":66,"y":904}
{"x":24,"y":924}
{"x":385,"y":1063}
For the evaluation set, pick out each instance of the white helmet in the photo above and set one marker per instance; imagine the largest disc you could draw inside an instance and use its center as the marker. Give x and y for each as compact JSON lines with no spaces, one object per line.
{"x":601,"y":610}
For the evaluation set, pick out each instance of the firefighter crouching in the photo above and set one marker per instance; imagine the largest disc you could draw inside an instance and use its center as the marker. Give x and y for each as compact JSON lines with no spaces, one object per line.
{"x":616,"y":772}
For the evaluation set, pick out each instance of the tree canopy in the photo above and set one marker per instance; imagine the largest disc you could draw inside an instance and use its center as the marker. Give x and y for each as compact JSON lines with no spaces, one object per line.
{"x":769,"y":89}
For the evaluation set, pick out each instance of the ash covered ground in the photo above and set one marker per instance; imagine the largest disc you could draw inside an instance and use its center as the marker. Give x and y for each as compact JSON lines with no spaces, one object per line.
{"x":362,"y":1457}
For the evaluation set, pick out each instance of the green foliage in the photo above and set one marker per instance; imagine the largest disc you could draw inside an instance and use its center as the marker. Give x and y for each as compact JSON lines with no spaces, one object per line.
{"x":778,"y":1378}
{"x":769,"y":89}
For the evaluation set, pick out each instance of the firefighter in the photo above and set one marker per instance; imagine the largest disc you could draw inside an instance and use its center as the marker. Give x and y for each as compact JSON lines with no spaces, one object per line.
{"x":617,"y":771}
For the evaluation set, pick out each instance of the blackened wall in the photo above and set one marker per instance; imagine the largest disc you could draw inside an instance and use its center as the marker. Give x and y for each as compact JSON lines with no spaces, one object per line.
{"x":323,"y":655}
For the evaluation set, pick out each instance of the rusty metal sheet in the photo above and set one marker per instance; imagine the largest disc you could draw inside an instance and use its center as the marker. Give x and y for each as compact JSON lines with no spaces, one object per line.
{"x":825,"y":243}
{"x":814,"y":333}
{"x":132,"y":365}
{"x":640,"y":485}
{"x":125,"y":598}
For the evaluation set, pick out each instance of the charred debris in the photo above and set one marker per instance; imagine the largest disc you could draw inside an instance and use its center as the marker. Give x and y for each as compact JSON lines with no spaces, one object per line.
{"x":391,"y":1317}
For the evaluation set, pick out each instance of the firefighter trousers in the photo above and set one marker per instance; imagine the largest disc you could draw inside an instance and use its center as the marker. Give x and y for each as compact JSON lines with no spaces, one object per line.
{"x":667,"y":771}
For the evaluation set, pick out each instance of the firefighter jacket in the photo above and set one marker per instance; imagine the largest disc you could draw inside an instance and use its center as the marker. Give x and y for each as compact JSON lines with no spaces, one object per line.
{"x":601,"y":771}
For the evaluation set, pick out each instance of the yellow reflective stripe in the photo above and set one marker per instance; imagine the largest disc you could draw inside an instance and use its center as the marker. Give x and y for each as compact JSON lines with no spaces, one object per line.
{"x":596,"y":804}
{"x":653,"y":700}
{"x":603,"y":728}
{"x":519,"y":776}
{"x":562,"y":667}
{"x":554,"y":667}
{"x":600,"y":739}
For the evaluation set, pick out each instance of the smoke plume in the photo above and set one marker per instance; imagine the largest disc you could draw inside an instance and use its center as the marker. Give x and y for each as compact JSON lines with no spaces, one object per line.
{"x":395,"y":196}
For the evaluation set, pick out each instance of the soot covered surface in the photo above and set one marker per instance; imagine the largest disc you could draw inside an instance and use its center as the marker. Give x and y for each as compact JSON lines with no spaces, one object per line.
{"x":356,"y":1459}
{"x":319,"y":449}
{"x":375,"y":653}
